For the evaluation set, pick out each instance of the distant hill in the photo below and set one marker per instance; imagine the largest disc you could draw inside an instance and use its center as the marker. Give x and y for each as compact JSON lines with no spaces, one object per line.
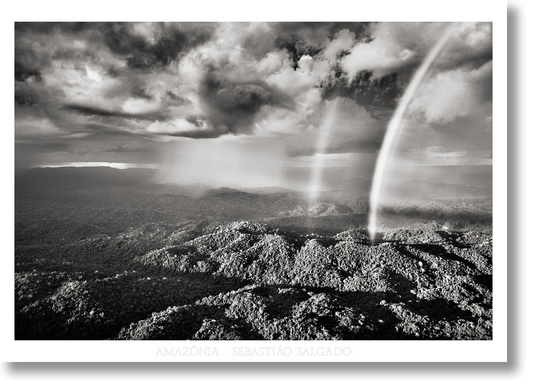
{"x":268,"y":190}
{"x":221,"y":190}
{"x":71,"y":202}
{"x":433,"y":190}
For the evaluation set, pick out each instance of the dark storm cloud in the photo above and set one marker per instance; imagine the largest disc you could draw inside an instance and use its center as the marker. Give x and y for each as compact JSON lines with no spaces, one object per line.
{"x":297,"y":38}
{"x":171,"y":41}
{"x":23,"y":72}
{"x":127,"y":148}
{"x":196,"y":134}
{"x":51,"y":27}
{"x":176,"y":100}
{"x":92,"y":111}
{"x":83,"y":80}
{"x":26,"y":95}
{"x":232,"y":105}
{"x":140,"y":92}
{"x":296,"y":48}
{"x":317,"y":32}
{"x":361,"y":29}
{"x":100,"y":130}
{"x":368,"y":91}
{"x":195,"y":120}
{"x":36,"y":46}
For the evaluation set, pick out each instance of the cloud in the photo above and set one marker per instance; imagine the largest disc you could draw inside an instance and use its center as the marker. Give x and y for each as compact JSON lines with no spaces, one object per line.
{"x":231,"y":105}
{"x":393,"y":47}
{"x":92,"y":111}
{"x":297,"y":49}
{"x":400,"y":47}
{"x":109,"y":86}
{"x":33,"y":127}
{"x":470,"y":47}
{"x":366,"y":89}
{"x":177,"y":100}
{"x":274,"y":91}
{"x":190,"y":127}
{"x":294,"y":39}
{"x":71,"y":86}
{"x":140,"y":92}
{"x":453,"y":94}
{"x":155,"y":45}
{"x":25,"y":94}
{"x":23,"y":72}
{"x":343,"y":42}
{"x":317,"y":33}
{"x":293,"y":82}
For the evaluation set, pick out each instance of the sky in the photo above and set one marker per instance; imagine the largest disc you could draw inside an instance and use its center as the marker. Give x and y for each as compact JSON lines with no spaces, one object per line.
{"x":251,"y":104}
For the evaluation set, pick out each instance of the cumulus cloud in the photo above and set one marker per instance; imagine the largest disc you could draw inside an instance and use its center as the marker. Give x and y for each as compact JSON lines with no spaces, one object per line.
{"x":394,"y":46}
{"x":343,"y":42}
{"x":155,"y":45}
{"x":452,"y":94}
{"x":398,"y":47}
{"x":469,"y":47}
{"x":231,"y":105}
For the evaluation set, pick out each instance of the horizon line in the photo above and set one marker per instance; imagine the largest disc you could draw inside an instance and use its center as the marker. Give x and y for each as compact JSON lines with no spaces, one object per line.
{"x":116,"y":165}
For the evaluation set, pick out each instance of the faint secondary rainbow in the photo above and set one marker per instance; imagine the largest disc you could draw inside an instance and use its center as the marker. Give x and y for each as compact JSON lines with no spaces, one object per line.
{"x":320,"y":151}
{"x":394,"y":127}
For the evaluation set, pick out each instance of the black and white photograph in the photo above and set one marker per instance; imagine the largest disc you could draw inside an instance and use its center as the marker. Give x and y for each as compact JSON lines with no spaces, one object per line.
{"x":190,"y":183}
